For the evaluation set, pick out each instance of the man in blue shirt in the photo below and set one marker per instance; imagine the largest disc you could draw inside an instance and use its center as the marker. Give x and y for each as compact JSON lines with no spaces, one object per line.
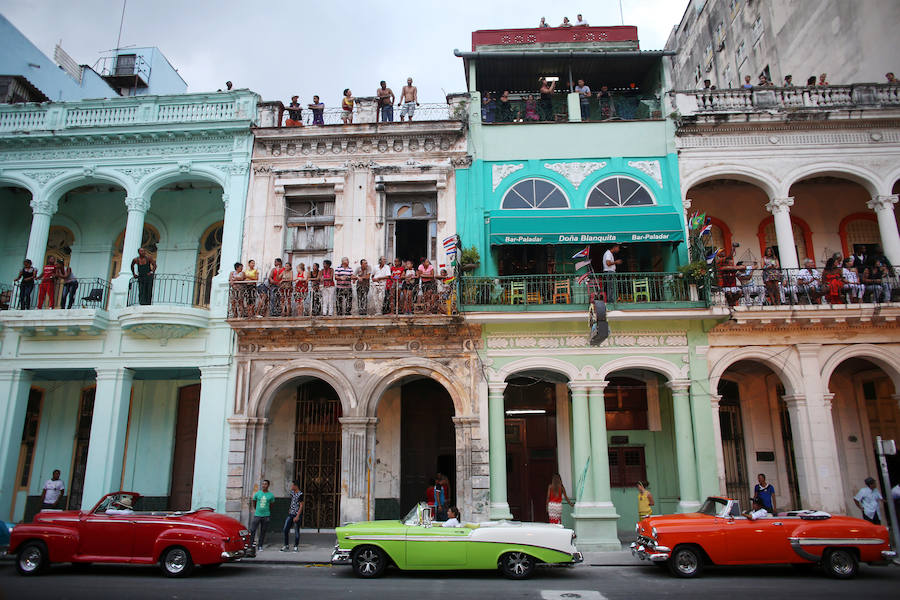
{"x":765,"y":492}
{"x":294,"y":518}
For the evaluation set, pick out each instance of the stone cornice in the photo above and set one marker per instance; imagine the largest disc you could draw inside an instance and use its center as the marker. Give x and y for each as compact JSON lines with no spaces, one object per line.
{"x":835,"y":320}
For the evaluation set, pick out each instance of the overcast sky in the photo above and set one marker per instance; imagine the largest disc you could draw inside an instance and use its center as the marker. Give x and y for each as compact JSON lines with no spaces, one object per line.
{"x":283,"y":48}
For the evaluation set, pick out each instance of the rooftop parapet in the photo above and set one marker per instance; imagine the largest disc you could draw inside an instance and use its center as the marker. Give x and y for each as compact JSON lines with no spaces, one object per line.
{"x":622,"y":37}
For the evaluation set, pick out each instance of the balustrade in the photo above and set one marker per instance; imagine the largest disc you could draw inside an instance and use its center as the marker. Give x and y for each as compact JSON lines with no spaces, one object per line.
{"x":772,"y":98}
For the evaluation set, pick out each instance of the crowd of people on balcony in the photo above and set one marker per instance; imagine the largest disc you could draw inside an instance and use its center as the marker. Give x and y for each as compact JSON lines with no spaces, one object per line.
{"x":763,"y":81}
{"x":521,"y":107}
{"x":397,"y":287}
{"x":54,"y":272}
{"x":384,"y":96}
{"x":579,"y":22}
{"x":843,"y":280}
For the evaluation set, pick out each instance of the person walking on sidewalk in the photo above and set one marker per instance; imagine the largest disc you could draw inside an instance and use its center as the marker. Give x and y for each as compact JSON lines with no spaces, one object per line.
{"x":294,"y":518}
{"x":261,"y":504}
{"x":645,"y":500}
{"x":556,"y":493}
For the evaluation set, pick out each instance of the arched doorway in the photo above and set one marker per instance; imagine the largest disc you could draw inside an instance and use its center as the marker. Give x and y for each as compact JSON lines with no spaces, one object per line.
{"x":303,"y":444}
{"x":756,"y":433}
{"x":864,"y":406}
{"x":149,"y":242}
{"x":209,"y":257}
{"x":415,"y":440}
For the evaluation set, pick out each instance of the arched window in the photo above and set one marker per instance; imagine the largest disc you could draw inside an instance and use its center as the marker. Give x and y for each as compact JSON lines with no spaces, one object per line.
{"x":59,"y":244}
{"x":859,"y":229}
{"x":535,"y":193}
{"x":209,"y":255}
{"x":619,"y":191}
{"x":802,"y":238}
{"x":149,"y":242}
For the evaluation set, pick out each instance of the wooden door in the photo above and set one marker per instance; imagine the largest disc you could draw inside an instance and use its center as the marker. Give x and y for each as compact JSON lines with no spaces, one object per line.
{"x":182,"y":486}
{"x":517,"y":470}
{"x":427,"y":440}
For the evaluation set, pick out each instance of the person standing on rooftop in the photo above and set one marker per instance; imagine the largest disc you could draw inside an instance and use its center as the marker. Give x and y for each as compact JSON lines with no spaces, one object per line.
{"x":543,"y":23}
{"x":579,"y":22}
{"x":409,"y":99}
{"x":318,"y":110}
{"x":566,"y":22}
{"x":386,"y":98}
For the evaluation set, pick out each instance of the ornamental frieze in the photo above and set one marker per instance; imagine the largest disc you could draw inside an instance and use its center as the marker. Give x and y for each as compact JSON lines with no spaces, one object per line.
{"x":551,"y":341}
{"x":132,"y":148}
{"x":337,"y":146}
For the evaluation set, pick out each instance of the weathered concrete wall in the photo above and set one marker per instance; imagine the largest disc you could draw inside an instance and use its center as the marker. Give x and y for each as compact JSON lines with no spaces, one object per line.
{"x":279,"y":465}
{"x":387,"y":446}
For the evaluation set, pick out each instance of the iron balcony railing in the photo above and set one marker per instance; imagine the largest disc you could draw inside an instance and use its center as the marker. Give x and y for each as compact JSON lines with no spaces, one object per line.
{"x":83,"y":293}
{"x":798,"y":287}
{"x":862,"y":95}
{"x":169,"y":289}
{"x":311,"y":300}
{"x":334,"y":115}
{"x":617,"y":106}
{"x":560,"y":292}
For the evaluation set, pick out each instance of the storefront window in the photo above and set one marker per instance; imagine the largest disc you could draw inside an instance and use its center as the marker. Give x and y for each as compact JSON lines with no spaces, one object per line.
{"x":535,"y":193}
{"x":619,"y":191}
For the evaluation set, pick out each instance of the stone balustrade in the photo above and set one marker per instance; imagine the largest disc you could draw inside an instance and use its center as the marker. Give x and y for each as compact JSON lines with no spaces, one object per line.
{"x":772,"y":99}
{"x":131,"y":111}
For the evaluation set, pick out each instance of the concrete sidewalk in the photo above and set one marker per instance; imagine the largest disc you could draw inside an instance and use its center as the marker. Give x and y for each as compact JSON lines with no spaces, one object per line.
{"x":316,"y":548}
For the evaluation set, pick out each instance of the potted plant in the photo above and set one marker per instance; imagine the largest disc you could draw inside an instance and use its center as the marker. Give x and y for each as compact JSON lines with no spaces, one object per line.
{"x":469,"y":259}
{"x":695,"y":272}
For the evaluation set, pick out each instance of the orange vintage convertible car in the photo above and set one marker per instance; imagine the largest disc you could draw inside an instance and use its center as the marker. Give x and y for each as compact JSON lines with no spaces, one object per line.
{"x":718,"y":534}
{"x":116,"y":530}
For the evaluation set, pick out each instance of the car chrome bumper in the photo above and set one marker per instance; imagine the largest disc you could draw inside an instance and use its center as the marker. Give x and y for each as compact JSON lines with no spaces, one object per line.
{"x":340,"y":556}
{"x":577,"y":557}
{"x":888,"y":554}
{"x":650,"y":552}
{"x":236,"y":555}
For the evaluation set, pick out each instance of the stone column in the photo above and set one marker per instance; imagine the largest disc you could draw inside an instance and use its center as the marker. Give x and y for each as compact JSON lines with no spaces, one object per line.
{"x":887,"y":226}
{"x":599,"y":445}
{"x":210,"y":455}
{"x":583,"y":484}
{"x":717,"y":432}
{"x":685,"y":457}
{"x":15,"y":386}
{"x":109,"y":427}
{"x":42,"y":212}
{"x":134,"y":231}
{"x":497,"y":449}
{"x":357,"y":468}
{"x":784,"y":231}
{"x":466,"y":478}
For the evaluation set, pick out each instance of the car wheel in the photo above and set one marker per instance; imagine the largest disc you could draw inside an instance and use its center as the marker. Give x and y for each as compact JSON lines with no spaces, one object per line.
{"x":686,"y":561}
{"x":176,"y":562}
{"x":517,"y":565}
{"x":32,"y":558}
{"x":841,"y":564}
{"x":369,"y":561}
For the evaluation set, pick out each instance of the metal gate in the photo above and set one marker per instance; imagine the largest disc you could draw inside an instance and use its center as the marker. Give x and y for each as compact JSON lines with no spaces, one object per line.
{"x":317,"y":454}
{"x":737,"y":485}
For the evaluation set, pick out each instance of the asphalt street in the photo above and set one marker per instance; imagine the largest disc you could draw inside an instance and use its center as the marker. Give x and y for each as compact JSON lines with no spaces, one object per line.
{"x":584,"y":582}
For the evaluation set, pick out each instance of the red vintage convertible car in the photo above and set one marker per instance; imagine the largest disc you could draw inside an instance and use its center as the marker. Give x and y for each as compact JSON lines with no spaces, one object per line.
{"x":718,"y":534}
{"x":116,"y":530}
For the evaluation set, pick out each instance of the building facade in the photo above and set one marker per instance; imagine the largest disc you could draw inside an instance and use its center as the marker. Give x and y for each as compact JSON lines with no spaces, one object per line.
{"x":117,"y":381}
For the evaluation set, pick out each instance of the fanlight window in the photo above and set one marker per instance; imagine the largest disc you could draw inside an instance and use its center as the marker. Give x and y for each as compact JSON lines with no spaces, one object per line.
{"x":619,"y":191}
{"x":535,"y":193}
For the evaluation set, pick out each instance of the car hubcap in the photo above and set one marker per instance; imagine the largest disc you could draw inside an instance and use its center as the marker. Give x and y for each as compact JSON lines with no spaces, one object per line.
{"x":518,"y":563}
{"x":687,"y":562}
{"x":841,"y":564}
{"x":31,"y":559}
{"x":176,"y":561}
{"x":368,"y":561}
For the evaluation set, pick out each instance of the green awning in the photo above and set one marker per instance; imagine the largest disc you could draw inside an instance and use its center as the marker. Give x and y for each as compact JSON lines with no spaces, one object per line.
{"x":579,"y":227}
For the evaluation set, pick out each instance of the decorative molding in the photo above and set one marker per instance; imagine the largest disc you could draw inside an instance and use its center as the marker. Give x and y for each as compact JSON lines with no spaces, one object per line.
{"x":880,"y":203}
{"x":650,"y":168}
{"x":138,"y":173}
{"x":780,"y":205}
{"x":43,"y":207}
{"x":554,"y":341}
{"x":461,"y":162}
{"x":42,"y":177}
{"x":575,"y":172}
{"x":729,"y":136}
{"x":137,"y":203}
{"x":501,"y":172}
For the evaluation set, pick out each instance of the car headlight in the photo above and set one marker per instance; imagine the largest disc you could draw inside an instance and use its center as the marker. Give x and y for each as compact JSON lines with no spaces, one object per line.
{"x":653,"y":531}
{"x":637,"y":527}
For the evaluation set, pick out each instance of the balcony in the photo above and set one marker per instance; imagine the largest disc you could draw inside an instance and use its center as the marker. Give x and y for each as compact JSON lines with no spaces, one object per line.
{"x":52,"y":118}
{"x":619,"y":105}
{"x":166,"y":306}
{"x":272,"y":114}
{"x":554,"y":293}
{"x":795,"y":101}
{"x":80,"y":309}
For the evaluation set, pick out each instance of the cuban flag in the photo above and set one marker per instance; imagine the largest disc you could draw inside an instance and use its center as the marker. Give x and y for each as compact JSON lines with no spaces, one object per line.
{"x":584,"y":253}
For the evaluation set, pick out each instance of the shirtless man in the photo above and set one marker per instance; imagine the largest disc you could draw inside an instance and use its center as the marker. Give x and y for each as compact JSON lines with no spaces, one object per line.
{"x":409,"y":99}
{"x":386,"y":99}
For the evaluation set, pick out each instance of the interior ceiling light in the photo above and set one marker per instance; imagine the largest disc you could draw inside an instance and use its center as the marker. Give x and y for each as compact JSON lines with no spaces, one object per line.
{"x":551,"y":79}
{"x":527,"y":411}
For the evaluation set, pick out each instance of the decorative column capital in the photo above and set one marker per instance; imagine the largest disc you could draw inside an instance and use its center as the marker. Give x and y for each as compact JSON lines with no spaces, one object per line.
{"x":214,"y":372}
{"x":496,"y":387}
{"x":581,"y":387}
{"x":137,"y":203}
{"x":40,"y":206}
{"x":679,"y":386}
{"x":686,"y":203}
{"x":794,"y":400}
{"x":780,"y":205}
{"x":828,"y":400}
{"x":714,"y":400}
{"x":358,"y":422}
{"x":225,"y":200}
{"x":465,"y":421}
{"x":112,"y":373}
{"x":880,"y":203}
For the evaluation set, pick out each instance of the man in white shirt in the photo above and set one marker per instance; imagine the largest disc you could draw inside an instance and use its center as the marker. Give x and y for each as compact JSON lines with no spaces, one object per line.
{"x":867,"y":499}
{"x":52,"y":492}
{"x":379,"y":282}
{"x":609,"y":272}
{"x":809,"y":282}
{"x":452,"y":517}
{"x":122,"y":506}
{"x":584,"y":98}
{"x":758,"y":511}
{"x":581,"y":22}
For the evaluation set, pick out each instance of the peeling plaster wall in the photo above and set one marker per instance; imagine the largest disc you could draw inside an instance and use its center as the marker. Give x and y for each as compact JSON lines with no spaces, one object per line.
{"x":387,"y":446}
{"x":279,"y":465}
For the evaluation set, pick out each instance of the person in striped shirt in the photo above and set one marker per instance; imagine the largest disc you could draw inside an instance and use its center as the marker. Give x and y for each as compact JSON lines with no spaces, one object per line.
{"x":343,"y":276}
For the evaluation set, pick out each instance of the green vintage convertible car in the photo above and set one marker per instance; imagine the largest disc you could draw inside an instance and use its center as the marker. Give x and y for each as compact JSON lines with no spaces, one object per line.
{"x":418,"y":543}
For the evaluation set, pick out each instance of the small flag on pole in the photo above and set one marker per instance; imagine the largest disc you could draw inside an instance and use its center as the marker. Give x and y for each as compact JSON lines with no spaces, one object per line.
{"x":706,"y":229}
{"x":584,"y":253}
{"x":582,"y":264}
{"x":450,"y":245}
{"x":583,"y":278}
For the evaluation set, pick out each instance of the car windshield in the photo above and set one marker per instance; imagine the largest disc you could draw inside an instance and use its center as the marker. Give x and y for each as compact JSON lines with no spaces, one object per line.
{"x":712,"y":506}
{"x":412,"y":517}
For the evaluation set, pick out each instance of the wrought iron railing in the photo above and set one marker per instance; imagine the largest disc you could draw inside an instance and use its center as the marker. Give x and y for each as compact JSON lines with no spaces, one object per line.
{"x":798,"y":287}
{"x":549,"y":292}
{"x":309,"y":300}
{"x":83,"y":293}
{"x":335,"y":116}
{"x":792,"y":98}
{"x":168,"y":289}
{"x":616,"y":106}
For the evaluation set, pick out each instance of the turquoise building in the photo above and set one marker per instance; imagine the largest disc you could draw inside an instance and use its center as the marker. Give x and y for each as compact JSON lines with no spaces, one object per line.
{"x":116,"y":388}
{"x":553,"y":174}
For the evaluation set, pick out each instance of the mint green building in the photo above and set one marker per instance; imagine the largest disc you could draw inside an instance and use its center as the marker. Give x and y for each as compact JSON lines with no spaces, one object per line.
{"x":118,"y":382}
{"x":554,"y":174}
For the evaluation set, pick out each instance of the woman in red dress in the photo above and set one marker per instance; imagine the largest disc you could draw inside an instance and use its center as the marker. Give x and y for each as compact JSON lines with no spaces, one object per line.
{"x":556,"y":493}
